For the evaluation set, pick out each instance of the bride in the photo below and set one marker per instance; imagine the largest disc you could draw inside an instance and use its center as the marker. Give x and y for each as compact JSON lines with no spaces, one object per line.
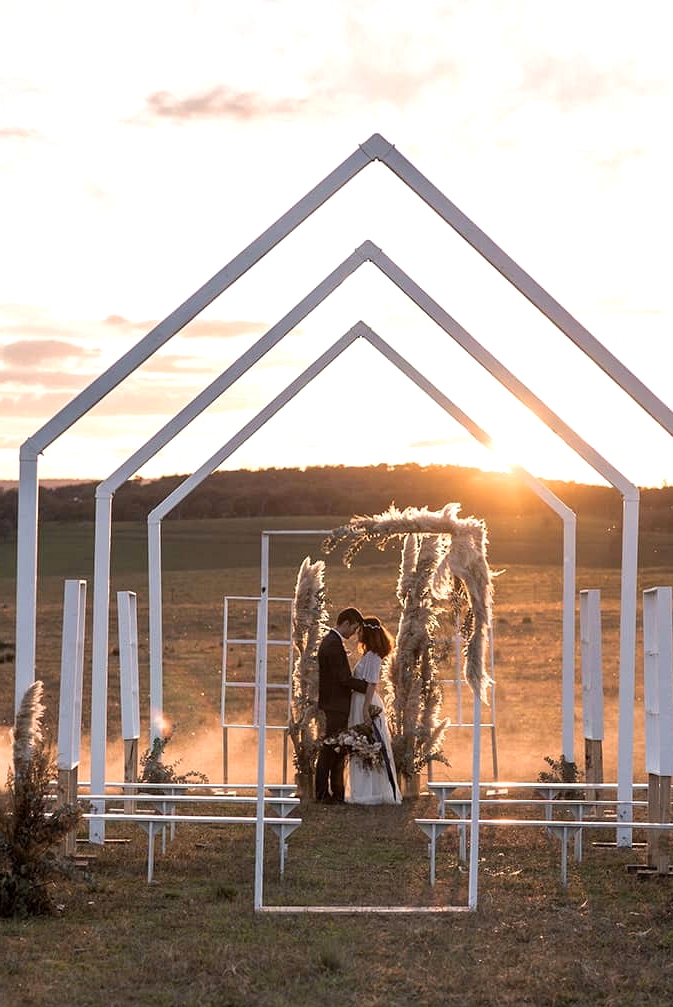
{"x":372,"y":784}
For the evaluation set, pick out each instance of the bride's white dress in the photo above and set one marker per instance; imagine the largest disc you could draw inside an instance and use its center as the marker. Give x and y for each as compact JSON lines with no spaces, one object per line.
{"x":365,"y":785}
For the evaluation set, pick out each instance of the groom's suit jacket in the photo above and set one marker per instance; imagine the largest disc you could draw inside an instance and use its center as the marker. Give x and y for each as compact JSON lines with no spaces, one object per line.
{"x":335,"y":682}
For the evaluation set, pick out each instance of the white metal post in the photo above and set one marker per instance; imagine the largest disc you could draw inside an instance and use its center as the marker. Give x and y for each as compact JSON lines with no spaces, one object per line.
{"x":262,"y":635}
{"x":155,"y":629}
{"x":592,"y":664}
{"x":127,"y":615}
{"x":72,"y":673}
{"x":473,"y":883}
{"x":568,"y":630}
{"x":99,"y":662}
{"x":627,"y":664}
{"x":26,"y":574}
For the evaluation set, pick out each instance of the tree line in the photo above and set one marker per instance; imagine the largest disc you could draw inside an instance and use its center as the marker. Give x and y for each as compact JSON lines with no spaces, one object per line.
{"x":341,"y":491}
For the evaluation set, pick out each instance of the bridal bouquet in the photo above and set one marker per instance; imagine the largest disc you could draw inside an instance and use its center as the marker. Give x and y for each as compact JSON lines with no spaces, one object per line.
{"x":359,"y":741}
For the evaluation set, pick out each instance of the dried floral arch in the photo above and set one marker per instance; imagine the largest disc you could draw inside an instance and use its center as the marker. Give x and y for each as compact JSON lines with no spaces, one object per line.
{"x":444,"y":563}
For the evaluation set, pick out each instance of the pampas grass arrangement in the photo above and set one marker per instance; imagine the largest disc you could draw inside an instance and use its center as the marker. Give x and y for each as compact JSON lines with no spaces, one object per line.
{"x":30,"y":826}
{"x":309,"y":625}
{"x":412,"y":691}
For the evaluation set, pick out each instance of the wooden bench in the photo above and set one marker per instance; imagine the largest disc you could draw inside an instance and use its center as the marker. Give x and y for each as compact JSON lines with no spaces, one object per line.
{"x":563,"y":830}
{"x":164,"y":816}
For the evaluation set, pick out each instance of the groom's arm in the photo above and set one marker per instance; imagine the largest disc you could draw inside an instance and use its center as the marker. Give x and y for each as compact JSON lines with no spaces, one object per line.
{"x":345,"y":677}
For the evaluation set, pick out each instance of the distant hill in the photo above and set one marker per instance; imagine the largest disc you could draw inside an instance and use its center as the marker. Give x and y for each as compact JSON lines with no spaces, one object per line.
{"x":339,"y":490}
{"x":521,"y":527}
{"x":12,"y":484}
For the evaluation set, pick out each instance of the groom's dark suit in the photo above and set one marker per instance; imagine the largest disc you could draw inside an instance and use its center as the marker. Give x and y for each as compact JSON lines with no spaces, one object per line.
{"x":335,"y":685}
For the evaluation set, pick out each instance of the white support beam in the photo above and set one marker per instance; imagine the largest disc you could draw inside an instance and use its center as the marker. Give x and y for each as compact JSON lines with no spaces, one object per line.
{"x":261,"y":676}
{"x":26,"y":574}
{"x":99,"y":655}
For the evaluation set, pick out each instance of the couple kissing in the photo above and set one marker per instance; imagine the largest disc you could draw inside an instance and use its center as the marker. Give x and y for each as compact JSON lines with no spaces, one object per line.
{"x":349,"y":699}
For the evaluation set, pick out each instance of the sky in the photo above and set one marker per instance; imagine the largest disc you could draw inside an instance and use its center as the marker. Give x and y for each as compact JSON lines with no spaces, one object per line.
{"x":145,"y":143}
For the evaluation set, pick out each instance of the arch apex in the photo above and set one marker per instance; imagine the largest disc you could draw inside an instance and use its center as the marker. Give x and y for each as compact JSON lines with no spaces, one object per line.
{"x":377,"y":147}
{"x":367,"y":250}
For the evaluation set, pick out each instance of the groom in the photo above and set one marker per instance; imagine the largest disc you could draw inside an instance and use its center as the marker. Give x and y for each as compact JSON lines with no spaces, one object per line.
{"x":334,"y":698}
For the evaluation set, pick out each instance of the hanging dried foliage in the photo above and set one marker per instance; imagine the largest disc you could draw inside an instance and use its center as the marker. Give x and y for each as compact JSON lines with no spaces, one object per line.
{"x":463,"y":543}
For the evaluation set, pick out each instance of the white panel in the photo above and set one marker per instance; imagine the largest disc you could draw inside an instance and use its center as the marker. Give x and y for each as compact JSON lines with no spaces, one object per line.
{"x":127,"y":615}
{"x":592,"y":664}
{"x":658,"y":661}
{"x":72,"y":672}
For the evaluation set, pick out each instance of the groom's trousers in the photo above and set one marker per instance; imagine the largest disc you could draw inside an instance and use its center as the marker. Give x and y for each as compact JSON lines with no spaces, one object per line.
{"x":329,"y":771}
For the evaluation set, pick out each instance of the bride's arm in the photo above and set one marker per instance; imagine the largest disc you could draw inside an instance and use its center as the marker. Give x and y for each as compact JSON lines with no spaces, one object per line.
{"x":369,"y":696}
{"x":374,"y":663}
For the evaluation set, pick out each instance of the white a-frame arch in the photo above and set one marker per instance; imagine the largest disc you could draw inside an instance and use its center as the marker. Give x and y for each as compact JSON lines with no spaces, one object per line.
{"x":376,"y":148}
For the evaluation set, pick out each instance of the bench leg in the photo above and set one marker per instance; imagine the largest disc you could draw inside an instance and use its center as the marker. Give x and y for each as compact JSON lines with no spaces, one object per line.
{"x":564,"y":859}
{"x":462,"y":843}
{"x":150,"y":850}
{"x":433,"y":852}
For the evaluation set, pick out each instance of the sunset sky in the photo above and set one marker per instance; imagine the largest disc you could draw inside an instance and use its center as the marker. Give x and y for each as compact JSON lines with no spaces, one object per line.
{"x":144,"y":143}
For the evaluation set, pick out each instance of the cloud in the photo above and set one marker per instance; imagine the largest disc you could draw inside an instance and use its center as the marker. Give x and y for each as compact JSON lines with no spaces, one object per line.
{"x":442,"y":442}
{"x":175,"y":364}
{"x":219,"y":102}
{"x":33,"y":352}
{"x":140,"y":400}
{"x":35,"y":405}
{"x":576,"y":82}
{"x":383,"y":66}
{"x":214,"y":328}
{"x":19,"y":133}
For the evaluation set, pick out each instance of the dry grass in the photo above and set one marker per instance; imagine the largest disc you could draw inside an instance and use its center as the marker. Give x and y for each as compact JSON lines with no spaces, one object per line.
{"x":193,"y":939}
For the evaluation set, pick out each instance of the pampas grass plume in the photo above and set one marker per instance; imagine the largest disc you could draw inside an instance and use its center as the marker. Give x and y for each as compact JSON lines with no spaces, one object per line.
{"x":27,"y":732}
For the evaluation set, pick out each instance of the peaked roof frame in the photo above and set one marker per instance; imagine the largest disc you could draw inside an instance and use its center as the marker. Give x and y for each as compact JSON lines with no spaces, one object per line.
{"x":154,"y":524}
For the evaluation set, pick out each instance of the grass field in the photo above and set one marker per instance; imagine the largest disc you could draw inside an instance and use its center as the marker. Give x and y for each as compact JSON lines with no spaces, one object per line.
{"x":205,"y":560}
{"x":193,"y":938}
